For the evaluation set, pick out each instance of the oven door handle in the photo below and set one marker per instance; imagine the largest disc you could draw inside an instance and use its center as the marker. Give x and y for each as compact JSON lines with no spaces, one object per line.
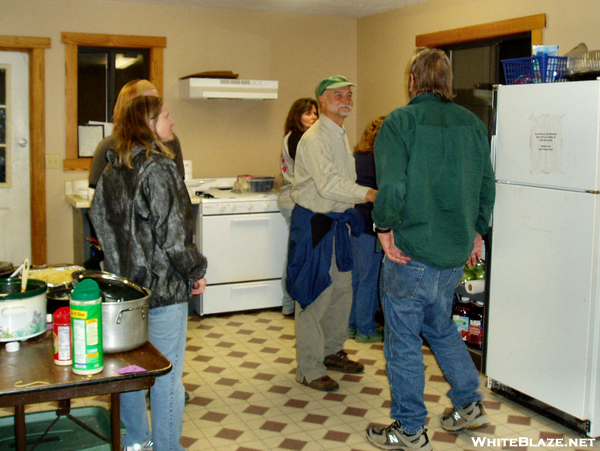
{"x":249,"y":286}
{"x":250,"y":218}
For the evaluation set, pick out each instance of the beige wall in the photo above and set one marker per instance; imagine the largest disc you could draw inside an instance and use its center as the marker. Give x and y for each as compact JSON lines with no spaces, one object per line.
{"x":223,"y":138}
{"x":386,"y":41}
{"x":227,"y":138}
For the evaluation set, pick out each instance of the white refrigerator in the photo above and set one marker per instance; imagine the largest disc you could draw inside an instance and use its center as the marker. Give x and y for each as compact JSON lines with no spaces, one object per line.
{"x":544,"y":299}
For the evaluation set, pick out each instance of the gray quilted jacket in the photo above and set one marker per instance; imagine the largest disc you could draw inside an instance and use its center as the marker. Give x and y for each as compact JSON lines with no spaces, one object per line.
{"x":144,"y":223}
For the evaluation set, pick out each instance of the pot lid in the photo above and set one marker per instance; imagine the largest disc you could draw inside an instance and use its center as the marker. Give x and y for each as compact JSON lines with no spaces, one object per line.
{"x":113,"y":287}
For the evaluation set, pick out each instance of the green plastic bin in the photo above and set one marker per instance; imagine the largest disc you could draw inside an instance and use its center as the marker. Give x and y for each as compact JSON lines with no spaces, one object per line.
{"x":65,"y":435}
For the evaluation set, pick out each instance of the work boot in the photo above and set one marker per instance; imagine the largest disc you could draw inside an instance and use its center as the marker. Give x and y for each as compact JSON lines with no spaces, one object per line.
{"x":323,"y":383}
{"x":341,"y":362}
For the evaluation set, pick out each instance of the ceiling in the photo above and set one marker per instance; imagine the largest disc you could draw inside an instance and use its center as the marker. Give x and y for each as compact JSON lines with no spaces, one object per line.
{"x":346,"y":8}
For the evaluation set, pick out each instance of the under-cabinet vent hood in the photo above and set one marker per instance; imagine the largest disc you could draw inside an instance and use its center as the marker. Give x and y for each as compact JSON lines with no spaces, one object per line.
{"x":226,"y":88}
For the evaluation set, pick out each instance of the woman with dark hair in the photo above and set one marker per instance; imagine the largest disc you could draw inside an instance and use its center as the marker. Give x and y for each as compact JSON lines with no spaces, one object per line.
{"x":365,"y":271}
{"x":143,"y":218}
{"x":302,"y":115}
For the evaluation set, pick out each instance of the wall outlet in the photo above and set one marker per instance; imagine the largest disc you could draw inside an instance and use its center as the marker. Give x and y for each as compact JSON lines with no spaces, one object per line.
{"x":52,"y":161}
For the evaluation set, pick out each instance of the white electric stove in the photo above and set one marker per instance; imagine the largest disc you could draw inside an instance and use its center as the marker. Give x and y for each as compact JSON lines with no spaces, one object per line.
{"x":244,"y":238}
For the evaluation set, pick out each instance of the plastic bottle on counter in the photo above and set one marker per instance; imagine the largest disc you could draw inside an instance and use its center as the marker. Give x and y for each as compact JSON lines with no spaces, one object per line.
{"x":86,"y":328}
{"x":460,"y":315}
{"x":62,"y":336}
{"x":476,"y":324}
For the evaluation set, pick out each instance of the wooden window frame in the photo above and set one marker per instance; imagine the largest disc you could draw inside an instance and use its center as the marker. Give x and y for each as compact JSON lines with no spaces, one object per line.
{"x":72,"y":42}
{"x":528,"y":24}
{"x":35,"y":47}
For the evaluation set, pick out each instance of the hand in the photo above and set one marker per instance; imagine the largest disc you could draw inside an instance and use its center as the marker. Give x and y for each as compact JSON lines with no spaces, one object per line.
{"x":392,"y":252}
{"x":476,"y":253}
{"x":371,"y":194}
{"x":199,"y":287}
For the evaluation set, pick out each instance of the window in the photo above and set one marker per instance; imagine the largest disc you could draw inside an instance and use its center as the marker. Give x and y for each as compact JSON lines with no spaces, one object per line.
{"x":101,"y":73}
{"x":113,"y":45}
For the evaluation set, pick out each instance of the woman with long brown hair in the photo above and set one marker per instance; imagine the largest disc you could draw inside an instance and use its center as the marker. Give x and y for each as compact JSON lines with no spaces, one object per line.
{"x":129,"y":91}
{"x":142,"y":215}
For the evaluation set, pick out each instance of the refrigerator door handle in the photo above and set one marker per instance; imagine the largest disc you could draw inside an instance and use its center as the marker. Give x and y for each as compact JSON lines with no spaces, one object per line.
{"x":493,"y":142}
{"x":531,"y":185}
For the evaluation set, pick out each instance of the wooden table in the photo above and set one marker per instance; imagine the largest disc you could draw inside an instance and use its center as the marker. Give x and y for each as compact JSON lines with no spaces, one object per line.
{"x":35,"y":362}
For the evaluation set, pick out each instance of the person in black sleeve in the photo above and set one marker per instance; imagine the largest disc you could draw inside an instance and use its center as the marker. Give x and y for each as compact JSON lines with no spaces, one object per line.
{"x":303,"y":113}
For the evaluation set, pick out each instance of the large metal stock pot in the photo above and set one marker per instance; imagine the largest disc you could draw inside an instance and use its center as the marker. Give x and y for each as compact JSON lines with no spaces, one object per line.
{"x":124,"y":310}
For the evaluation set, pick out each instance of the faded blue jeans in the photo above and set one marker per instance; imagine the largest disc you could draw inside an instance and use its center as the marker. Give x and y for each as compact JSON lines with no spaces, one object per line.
{"x":167,"y":328}
{"x":365,"y":277}
{"x":417,"y":299}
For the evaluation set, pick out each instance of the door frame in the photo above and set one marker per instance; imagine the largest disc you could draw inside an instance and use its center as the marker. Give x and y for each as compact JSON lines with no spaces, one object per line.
{"x":35,"y":47}
{"x":528,"y":24}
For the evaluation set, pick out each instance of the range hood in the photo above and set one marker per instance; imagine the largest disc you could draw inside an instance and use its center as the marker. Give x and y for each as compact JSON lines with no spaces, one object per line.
{"x":227,"y":88}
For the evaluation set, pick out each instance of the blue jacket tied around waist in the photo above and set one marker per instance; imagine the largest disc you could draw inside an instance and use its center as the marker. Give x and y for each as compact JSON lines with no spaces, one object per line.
{"x":311,"y":248}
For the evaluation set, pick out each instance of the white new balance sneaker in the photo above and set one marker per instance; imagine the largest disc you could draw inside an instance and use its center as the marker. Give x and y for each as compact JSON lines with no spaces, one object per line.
{"x":393,"y":437}
{"x":471,"y":416}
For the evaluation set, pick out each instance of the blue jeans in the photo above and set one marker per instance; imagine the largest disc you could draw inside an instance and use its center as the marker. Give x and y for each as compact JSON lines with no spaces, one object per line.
{"x":365,"y":276}
{"x":287,"y":301}
{"x":418,"y":299}
{"x":167,"y":332}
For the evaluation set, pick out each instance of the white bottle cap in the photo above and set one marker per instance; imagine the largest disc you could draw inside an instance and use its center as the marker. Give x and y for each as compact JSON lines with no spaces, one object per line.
{"x":13,"y":346}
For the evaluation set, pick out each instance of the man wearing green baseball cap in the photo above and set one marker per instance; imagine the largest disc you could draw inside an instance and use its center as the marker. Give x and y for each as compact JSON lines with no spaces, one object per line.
{"x":325,"y":192}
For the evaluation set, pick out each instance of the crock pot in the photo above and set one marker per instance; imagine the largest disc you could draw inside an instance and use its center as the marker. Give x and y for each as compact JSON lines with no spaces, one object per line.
{"x":22,"y":314}
{"x":124,"y":310}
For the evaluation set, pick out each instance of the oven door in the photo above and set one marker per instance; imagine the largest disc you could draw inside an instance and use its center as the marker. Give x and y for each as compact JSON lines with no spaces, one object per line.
{"x":243,"y":250}
{"x":244,"y":247}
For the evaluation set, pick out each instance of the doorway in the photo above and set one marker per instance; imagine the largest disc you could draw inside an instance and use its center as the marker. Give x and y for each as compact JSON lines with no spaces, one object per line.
{"x":15,"y":209}
{"x":35,"y":47}
{"x":477,"y":68}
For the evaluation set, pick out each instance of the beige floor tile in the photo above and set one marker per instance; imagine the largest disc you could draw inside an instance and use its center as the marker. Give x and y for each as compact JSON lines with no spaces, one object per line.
{"x":240,"y":370}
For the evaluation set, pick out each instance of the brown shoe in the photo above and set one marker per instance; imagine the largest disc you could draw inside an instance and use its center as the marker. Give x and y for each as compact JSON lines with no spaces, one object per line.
{"x":341,"y":362}
{"x":323,"y":383}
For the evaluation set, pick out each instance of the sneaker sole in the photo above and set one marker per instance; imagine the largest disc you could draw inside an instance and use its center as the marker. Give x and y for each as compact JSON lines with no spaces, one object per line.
{"x":472,"y":427}
{"x":396,"y":447}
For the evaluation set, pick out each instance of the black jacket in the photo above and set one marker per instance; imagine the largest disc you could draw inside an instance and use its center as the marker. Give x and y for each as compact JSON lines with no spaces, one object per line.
{"x":143,"y":219}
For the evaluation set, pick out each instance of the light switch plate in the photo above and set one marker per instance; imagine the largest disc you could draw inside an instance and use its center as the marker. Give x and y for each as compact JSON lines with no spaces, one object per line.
{"x":52,"y":161}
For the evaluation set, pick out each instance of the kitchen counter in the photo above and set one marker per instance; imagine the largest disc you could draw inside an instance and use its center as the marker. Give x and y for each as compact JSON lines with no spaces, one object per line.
{"x":79,"y":202}
{"x":219,"y":189}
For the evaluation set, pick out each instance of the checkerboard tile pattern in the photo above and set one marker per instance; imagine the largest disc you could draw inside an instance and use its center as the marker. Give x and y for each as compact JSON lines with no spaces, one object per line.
{"x":239,"y":373}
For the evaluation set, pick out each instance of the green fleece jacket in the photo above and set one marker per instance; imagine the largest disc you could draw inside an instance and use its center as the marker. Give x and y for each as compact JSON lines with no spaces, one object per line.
{"x":435,"y":179}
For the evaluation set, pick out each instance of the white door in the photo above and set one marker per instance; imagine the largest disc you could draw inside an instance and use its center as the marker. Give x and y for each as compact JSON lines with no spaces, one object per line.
{"x":543,"y":295}
{"x":548,"y":134}
{"x":15,"y":215}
